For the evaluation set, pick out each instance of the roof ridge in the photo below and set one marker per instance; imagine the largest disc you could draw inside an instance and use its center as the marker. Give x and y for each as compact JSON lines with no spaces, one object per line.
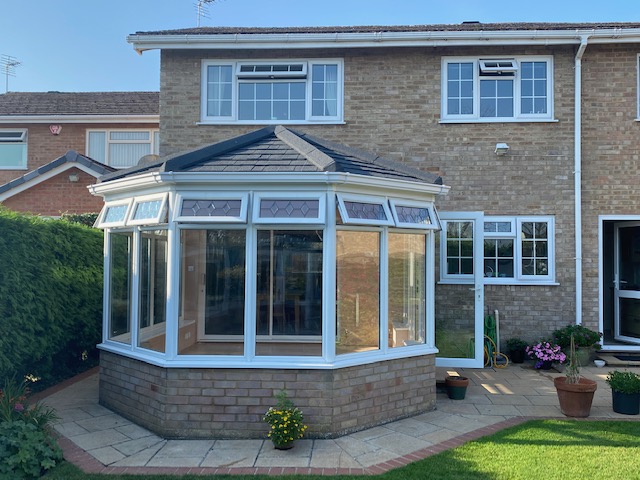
{"x":320,"y":159}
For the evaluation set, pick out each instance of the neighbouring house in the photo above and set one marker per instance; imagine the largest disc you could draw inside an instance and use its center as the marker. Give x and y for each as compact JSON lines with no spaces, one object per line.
{"x":530,"y":125}
{"x":108,"y":129}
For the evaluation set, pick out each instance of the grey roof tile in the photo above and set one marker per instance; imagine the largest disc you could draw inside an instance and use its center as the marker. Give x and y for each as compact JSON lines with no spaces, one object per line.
{"x":79,"y":103}
{"x":278,"y":149}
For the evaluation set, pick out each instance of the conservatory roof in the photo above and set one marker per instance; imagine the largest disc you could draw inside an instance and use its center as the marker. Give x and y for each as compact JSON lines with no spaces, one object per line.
{"x":278,"y":149}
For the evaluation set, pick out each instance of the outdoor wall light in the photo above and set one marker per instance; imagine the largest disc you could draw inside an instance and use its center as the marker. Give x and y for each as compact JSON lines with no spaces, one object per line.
{"x":74,"y":177}
{"x":501,"y":149}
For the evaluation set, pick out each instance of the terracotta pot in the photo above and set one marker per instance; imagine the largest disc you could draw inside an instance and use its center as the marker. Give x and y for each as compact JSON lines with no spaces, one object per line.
{"x":456,"y":387}
{"x":575,"y":398}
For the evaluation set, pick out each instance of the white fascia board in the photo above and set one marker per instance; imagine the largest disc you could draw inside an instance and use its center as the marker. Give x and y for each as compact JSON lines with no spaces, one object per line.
{"x":45,"y":176}
{"x":382,"y":39}
{"x":322,"y":180}
{"x":10,"y":119}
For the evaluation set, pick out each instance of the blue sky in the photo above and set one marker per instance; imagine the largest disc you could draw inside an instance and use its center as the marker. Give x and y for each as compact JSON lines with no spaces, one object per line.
{"x":80,"y":45}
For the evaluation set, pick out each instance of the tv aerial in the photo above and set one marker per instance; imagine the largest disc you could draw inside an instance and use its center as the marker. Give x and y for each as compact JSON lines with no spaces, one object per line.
{"x":9,"y":64}
{"x":202,"y":7}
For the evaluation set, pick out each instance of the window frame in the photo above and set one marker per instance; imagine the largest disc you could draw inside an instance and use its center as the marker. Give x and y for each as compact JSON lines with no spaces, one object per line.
{"x":305,"y":76}
{"x":101,"y":220}
{"x":516,"y":234}
{"x":373,"y":200}
{"x":157,"y":219}
{"x":433,"y":214}
{"x":153,"y":142}
{"x":258,"y":197}
{"x":23,"y":140}
{"x":490,"y":73}
{"x":241,"y":218}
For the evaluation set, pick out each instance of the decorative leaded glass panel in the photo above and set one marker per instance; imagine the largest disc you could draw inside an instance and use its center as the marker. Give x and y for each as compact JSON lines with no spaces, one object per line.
{"x":366,"y":211}
{"x":416,"y":215}
{"x":115,"y":214}
{"x":147,"y":210}
{"x":289,"y":208}
{"x":211,"y":208}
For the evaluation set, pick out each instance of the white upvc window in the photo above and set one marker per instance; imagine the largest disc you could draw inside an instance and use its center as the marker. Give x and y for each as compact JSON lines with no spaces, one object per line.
{"x":411,"y":214}
{"x":212,"y":208}
{"x":284,"y":209}
{"x":360,"y":210}
{"x":114,"y":214}
{"x":274,"y":91}
{"x":517,"y":250}
{"x":149,"y":210}
{"x":13,"y":149}
{"x":122,"y":148}
{"x":497,"y":89}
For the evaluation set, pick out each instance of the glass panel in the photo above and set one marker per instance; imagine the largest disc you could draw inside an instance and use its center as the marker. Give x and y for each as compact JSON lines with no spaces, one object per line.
{"x":211,"y":208}
{"x":459,"y":248}
{"x":120,"y":262}
{"x":324,"y":90}
{"x":630,"y":317}
{"x":496,"y":98}
{"x":407,"y":293}
{"x":147,"y":210}
{"x":629,"y":263}
{"x":289,"y":208}
{"x":460,"y":88}
{"x":289,"y":292}
{"x":219,"y":88}
{"x":212,"y":292}
{"x":127,"y":154}
{"x":114,"y":214}
{"x":358,"y":291}
{"x":130,"y":136}
{"x":13,"y":155}
{"x":368,"y":211}
{"x":535,"y":247}
{"x":498,"y":258}
{"x":455,"y":321}
{"x":271,"y":100}
{"x":98,"y":146}
{"x":153,"y":290}
{"x":533,"y":88}
{"x":415,"y":215}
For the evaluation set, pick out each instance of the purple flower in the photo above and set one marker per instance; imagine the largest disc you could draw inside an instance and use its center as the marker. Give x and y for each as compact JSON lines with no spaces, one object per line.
{"x":18,"y":407}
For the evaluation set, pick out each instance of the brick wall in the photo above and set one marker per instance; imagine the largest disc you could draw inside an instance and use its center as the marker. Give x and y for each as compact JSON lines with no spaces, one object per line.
{"x":230,"y":403}
{"x":58,"y":195}
{"x":392,"y":108}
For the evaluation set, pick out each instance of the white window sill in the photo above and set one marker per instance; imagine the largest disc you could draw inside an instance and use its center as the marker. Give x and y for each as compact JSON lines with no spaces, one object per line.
{"x":271,"y":122}
{"x":498,"y":120}
{"x":13,"y":168}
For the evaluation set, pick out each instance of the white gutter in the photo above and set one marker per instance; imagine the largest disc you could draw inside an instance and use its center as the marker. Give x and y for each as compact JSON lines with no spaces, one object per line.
{"x":7,"y":119}
{"x":577,"y":173}
{"x":142,"y":42}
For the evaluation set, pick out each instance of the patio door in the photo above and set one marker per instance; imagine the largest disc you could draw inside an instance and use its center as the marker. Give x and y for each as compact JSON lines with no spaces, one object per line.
{"x":627,"y":282}
{"x":459,"y":292}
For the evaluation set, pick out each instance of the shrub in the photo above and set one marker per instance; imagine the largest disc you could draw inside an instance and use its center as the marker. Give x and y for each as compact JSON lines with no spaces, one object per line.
{"x":583,"y":336}
{"x":286,"y":422}
{"x":88,"y":219}
{"x":26,"y":450}
{"x":624,"y":382}
{"x":515,"y":344}
{"x":14,"y":405}
{"x":50,"y":296}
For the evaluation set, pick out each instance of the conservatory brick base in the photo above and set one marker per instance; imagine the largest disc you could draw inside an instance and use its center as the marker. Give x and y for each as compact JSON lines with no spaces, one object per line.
{"x":230,"y":403}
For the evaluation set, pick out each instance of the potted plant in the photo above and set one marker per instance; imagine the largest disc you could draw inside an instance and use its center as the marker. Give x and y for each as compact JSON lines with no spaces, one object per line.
{"x":456,"y":386}
{"x":625,"y":391}
{"x":286,"y":423}
{"x":545,"y":353}
{"x":575,"y":393}
{"x":586,"y":341}
{"x":516,"y":348}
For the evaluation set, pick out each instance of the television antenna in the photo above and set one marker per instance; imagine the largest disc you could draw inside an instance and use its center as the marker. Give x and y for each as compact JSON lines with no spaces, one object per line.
{"x":202,"y":7}
{"x":9,"y":64}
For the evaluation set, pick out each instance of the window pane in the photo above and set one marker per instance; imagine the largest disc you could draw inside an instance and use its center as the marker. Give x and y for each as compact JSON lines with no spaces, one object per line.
{"x":533,"y":88}
{"x":13,"y":155}
{"x":98,"y":146}
{"x":271,"y":101}
{"x":132,"y":136}
{"x":498,"y":258}
{"x":147,"y":210}
{"x":535,"y":248}
{"x":289,"y":208}
{"x":153,"y":290}
{"x":459,"y":247}
{"x":219,"y":88}
{"x":289,"y":290}
{"x":120,"y":267}
{"x":358,"y":291}
{"x":407,"y":293}
{"x":368,"y":211}
{"x":496,"y":98}
{"x":459,"y":88}
{"x":127,"y":154}
{"x":415,"y":215}
{"x":116,"y":213}
{"x":212,"y":292}
{"x":211,"y":208}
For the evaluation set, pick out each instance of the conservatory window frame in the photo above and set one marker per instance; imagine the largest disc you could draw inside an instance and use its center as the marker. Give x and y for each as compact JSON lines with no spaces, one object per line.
{"x":197,"y":196}
{"x":320,"y":219}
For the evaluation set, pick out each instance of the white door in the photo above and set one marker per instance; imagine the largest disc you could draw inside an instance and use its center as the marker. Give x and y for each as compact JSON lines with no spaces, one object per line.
{"x":459,"y":308}
{"x":627,"y":282}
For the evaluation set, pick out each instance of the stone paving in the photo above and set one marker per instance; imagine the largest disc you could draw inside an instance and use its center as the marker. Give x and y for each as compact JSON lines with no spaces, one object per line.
{"x":98,"y":440}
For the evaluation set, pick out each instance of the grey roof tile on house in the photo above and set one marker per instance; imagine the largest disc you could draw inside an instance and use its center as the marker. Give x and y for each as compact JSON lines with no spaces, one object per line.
{"x":279,"y":149}
{"x":70,"y":157}
{"x":461,"y":27}
{"x":79,"y":103}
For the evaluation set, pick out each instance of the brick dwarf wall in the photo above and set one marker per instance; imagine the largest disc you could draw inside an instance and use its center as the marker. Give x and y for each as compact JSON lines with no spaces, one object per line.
{"x":57,"y":195}
{"x":392,"y":102}
{"x":230,"y":403}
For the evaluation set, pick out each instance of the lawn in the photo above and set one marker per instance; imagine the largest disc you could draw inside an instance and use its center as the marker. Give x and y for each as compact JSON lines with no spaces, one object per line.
{"x":566,"y":449}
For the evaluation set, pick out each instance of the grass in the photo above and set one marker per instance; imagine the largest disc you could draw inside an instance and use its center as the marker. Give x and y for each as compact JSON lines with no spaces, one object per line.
{"x":566,"y":449}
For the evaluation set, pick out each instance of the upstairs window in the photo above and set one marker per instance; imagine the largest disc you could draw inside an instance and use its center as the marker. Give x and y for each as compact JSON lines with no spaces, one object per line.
{"x":497,"y":89}
{"x":121,"y":148}
{"x":13,"y":149}
{"x":272,"y":92}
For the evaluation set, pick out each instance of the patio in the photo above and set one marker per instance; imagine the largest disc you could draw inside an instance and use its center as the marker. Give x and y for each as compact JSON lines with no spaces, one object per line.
{"x":98,"y":440}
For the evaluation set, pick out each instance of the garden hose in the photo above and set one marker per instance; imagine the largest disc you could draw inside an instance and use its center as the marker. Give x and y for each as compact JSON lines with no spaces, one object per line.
{"x":491,"y":354}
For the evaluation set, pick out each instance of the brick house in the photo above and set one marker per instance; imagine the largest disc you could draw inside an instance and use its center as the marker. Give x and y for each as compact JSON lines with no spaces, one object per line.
{"x":530,"y":125}
{"x":39,"y":131}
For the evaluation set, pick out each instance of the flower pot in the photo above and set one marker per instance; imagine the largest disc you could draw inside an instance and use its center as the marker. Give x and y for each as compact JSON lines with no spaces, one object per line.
{"x":575,"y":398}
{"x":456,"y":387}
{"x":584,"y":355}
{"x":283,"y":446}
{"x":546,"y":365}
{"x":517,"y":356}
{"x":626,"y":403}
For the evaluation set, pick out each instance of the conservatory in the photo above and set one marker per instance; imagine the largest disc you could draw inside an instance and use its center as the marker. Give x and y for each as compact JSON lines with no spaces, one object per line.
{"x":274,"y":261}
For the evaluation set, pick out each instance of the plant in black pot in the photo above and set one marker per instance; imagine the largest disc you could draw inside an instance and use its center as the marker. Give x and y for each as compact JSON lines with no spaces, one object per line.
{"x":516,"y":348}
{"x":587,"y":341}
{"x":625,"y":391}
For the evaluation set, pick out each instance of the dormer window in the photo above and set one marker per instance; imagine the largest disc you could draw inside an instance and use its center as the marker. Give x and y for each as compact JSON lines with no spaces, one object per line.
{"x":308,"y":91}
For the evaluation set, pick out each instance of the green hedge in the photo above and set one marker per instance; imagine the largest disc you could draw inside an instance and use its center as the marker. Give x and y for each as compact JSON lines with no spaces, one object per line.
{"x":50,"y":296}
